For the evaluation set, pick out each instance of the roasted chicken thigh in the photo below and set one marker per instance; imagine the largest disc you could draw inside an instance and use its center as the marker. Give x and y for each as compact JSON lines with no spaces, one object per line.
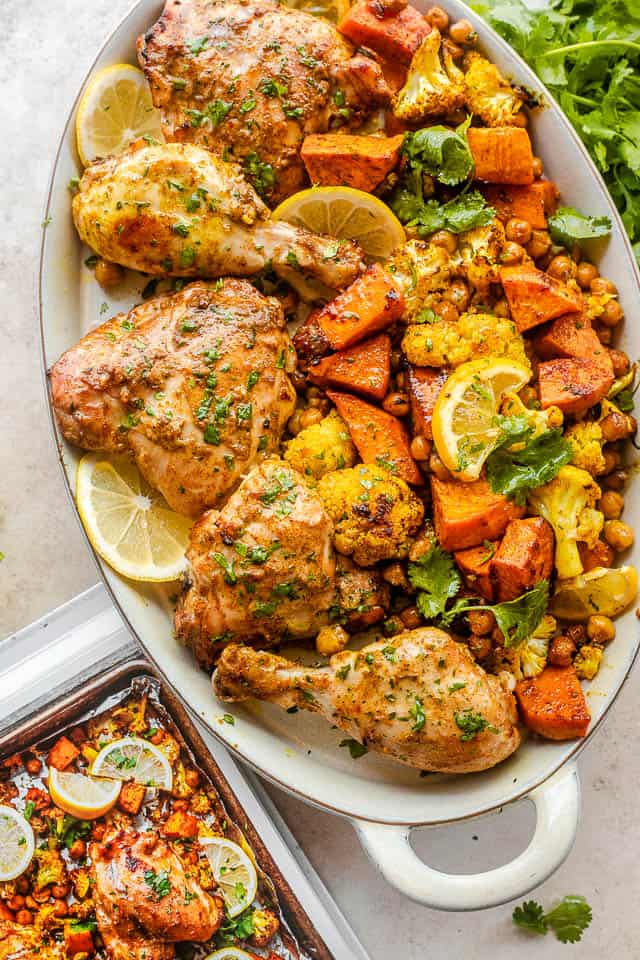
{"x":253,"y":77}
{"x":194,"y":384}
{"x":145,"y":898}
{"x":419,"y":697}
{"x":178,"y":210}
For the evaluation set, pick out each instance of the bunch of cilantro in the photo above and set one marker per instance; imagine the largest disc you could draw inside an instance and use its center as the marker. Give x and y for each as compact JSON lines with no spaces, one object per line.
{"x":587,"y":52}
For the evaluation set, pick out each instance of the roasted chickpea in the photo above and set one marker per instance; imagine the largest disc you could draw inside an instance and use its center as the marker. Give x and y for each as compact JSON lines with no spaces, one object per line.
{"x":16,"y":902}
{"x":396,"y":359}
{"x":396,"y":404}
{"x":518,"y":230}
{"x":293,"y":424}
{"x":617,"y":479}
{"x":298,"y":380}
{"x":60,"y":908}
{"x":108,"y":274}
{"x":587,"y":273}
{"x":562,"y":268}
{"x":41,"y":896}
{"x":601,"y":629}
{"x":459,"y":295}
{"x":577,"y":633}
{"x":421,"y":448}
{"x":411,"y":618}
{"x":512,"y":253}
{"x":618,"y":534}
{"x":310,"y":416}
{"x":437,"y":467}
{"x":395,"y":574}
{"x":192,"y":778}
{"x":446,"y":311}
{"x":612,"y":314}
{"x":438,"y":18}
{"x":617,"y":426}
{"x":479,"y":646}
{"x":446,"y":239}
{"x":78,"y":850}
{"x":31,"y":903}
{"x":462,"y":32}
{"x":98,"y":831}
{"x":22,"y":885}
{"x":33,"y":766}
{"x":539,"y":244}
{"x":481,"y":622}
{"x":612,"y":505}
{"x":456,"y":53}
{"x":620,"y":361}
{"x":78,"y":735}
{"x":60,"y":890}
{"x":602,"y":285}
{"x":24,"y":917}
{"x":538,"y":168}
{"x":561,"y":651}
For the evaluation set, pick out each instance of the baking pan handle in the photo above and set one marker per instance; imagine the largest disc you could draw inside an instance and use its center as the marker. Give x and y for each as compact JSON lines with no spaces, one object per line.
{"x":557,"y":804}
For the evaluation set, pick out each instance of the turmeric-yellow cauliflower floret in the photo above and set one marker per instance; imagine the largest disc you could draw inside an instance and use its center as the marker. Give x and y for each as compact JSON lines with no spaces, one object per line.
{"x":448,"y":343}
{"x":374,"y":512}
{"x":424,"y":272}
{"x":587,"y":661}
{"x":487,"y":94}
{"x":321,"y":448}
{"x":434,"y":85}
{"x":586,"y":441}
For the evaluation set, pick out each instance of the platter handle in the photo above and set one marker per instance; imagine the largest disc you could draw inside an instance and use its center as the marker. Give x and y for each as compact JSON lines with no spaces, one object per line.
{"x":557,"y":803}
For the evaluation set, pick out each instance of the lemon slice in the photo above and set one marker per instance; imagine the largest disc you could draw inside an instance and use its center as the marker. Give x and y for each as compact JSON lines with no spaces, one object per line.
{"x":233,"y":871}
{"x":128,"y":522}
{"x":604,"y":590}
{"x":115,"y":110}
{"x":231,"y":953}
{"x":80,"y":796}
{"x":464,"y":417}
{"x":17,"y":843}
{"x":134,"y":759}
{"x":333,"y":10}
{"x":347,"y":214}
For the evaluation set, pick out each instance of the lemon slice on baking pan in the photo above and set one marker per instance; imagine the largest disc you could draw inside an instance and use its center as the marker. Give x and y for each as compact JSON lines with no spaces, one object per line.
{"x":233,"y":871}
{"x":231,"y":953}
{"x":346,"y":214}
{"x":134,"y":759}
{"x":80,"y":796}
{"x":604,"y":590}
{"x":464,"y":417}
{"x":128,"y":522}
{"x":17,"y":843}
{"x":115,"y":109}
{"x":333,"y":10}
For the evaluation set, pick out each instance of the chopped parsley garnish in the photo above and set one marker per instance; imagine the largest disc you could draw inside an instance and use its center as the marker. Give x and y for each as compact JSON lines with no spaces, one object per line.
{"x":472,"y":724}
{"x":197,"y":45}
{"x":159,"y":884}
{"x":417,"y":713}
{"x":29,"y":808}
{"x":230,"y":575}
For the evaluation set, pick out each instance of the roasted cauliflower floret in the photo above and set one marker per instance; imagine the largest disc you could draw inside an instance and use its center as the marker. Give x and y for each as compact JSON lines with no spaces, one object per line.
{"x":446,"y":343}
{"x":487,"y":94}
{"x":265,"y":927}
{"x":587,"y":661}
{"x":568,"y":503}
{"x":541,"y":420}
{"x":51,"y":868}
{"x":434,"y":85}
{"x":374,"y":512}
{"x":321,"y":448}
{"x":479,"y":252}
{"x":535,"y":649}
{"x":586,"y":441}
{"x":424,"y":273}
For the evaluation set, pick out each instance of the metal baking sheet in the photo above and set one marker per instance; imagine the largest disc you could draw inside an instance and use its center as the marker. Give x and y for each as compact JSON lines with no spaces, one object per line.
{"x":61,"y":662}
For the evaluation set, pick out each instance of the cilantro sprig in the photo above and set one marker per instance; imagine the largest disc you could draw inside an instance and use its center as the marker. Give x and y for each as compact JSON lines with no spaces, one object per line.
{"x":515,"y":472}
{"x":568,"y":919}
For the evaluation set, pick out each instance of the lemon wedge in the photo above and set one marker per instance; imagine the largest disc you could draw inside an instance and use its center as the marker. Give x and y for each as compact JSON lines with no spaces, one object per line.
{"x":17,"y":843}
{"x":231,"y":953}
{"x":604,"y":590}
{"x":134,"y":759}
{"x":80,"y":796}
{"x":464,"y":417}
{"x":233,"y":871}
{"x":333,"y":10}
{"x":128,"y":522}
{"x":346,"y":214}
{"x":115,"y":109}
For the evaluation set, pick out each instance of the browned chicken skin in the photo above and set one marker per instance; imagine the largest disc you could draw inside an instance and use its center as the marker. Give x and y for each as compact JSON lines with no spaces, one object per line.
{"x":145,"y":899}
{"x":254,"y":78}
{"x":264,"y":568}
{"x":195,"y":385}
{"x":419,"y":697}
{"x":19,"y":942}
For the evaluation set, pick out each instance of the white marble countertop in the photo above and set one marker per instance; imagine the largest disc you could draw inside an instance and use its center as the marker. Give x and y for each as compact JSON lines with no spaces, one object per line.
{"x":45,"y":50}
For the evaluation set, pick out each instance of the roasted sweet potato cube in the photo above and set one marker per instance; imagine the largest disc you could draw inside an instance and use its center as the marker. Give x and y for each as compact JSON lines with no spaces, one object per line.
{"x":553,"y":704}
{"x":599,"y":555}
{"x":131,"y":797}
{"x":524,"y":203}
{"x":343,"y":159}
{"x":365,"y":368}
{"x":524,"y":557}
{"x":501,"y":154}
{"x":180,"y":826}
{"x":466,"y":514}
{"x":62,"y":753}
{"x":380,"y":438}
{"x":372,"y":302}
{"x":395,"y":37}
{"x":573,"y":384}
{"x":475,"y":566}
{"x":425,"y":383}
{"x":535,"y":297}
{"x":571,"y":336}
{"x":78,"y":938}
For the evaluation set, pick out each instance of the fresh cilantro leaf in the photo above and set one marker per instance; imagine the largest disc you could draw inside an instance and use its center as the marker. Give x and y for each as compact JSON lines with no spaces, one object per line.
{"x":567,"y":226}
{"x":530,"y":916}
{"x":464,"y":212}
{"x":441,"y":152}
{"x":515,"y":472}
{"x":355,"y":748}
{"x":262,"y":175}
{"x":568,"y":919}
{"x":438,"y":580}
{"x":517,"y":619}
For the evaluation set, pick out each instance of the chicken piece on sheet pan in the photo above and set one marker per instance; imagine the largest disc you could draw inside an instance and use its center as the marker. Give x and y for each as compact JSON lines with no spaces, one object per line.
{"x":255,"y":78}
{"x":145,"y":898}
{"x":418,"y":697}
{"x":263,"y":569}
{"x":194,"y":384}
{"x":181,"y":211}
{"x":18,"y":942}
